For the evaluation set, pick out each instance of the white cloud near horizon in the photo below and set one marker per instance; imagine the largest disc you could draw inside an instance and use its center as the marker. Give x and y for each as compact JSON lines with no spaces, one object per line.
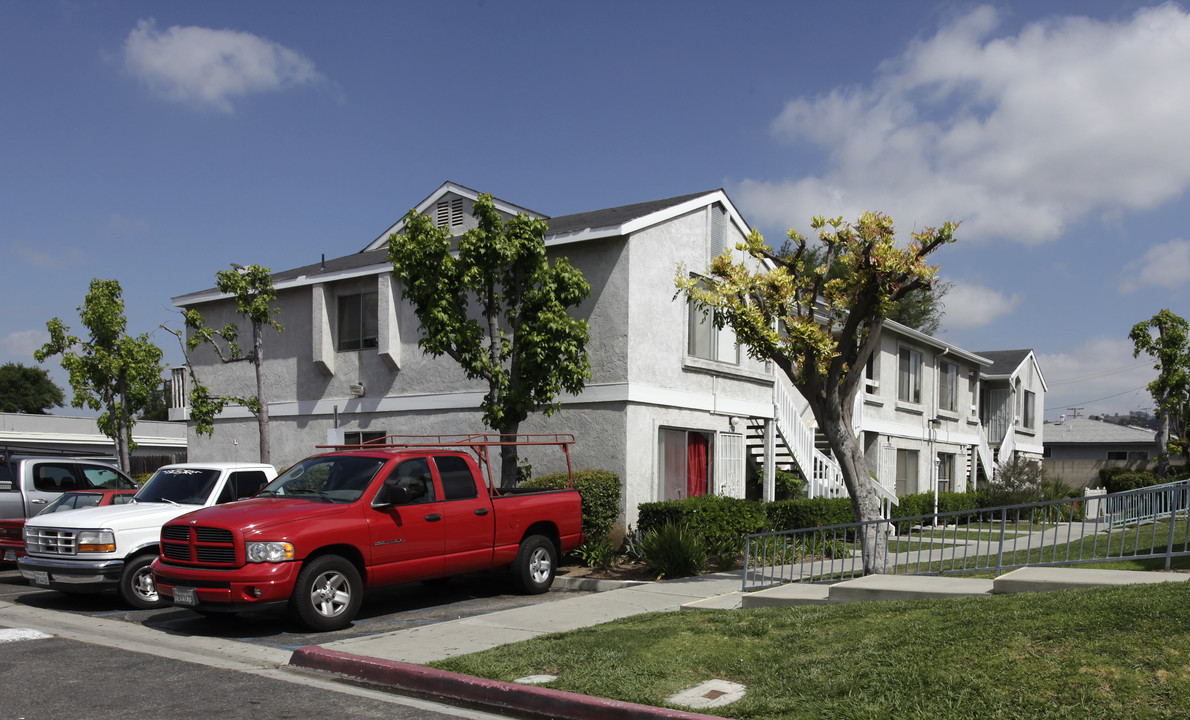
{"x":20,"y":345}
{"x":1100,"y":376}
{"x":211,"y":68}
{"x":968,"y":305}
{"x":1017,"y":136}
{"x":1166,"y":265}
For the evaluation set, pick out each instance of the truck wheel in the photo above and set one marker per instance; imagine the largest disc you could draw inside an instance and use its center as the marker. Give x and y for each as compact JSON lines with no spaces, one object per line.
{"x":328,"y":593}
{"x":536,"y":561}
{"x":136,"y":584}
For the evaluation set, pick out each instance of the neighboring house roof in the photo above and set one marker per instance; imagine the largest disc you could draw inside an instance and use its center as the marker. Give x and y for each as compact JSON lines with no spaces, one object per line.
{"x":577,"y":227}
{"x":1085,"y":431}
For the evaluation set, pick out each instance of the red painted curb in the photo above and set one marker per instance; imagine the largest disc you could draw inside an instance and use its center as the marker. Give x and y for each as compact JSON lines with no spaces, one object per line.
{"x":510,"y":696}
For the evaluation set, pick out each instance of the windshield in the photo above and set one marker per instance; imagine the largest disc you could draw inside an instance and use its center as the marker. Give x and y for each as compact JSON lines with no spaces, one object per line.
{"x":72,"y":501}
{"x":341,"y":479}
{"x":184,"y":486}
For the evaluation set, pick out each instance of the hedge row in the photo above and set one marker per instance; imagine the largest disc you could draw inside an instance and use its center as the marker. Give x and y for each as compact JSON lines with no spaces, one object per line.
{"x":717,"y":516}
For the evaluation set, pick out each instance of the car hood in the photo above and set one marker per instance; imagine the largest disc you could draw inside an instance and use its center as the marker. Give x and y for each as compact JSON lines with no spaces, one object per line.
{"x":263,"y":513}
{"x":115,"y":517}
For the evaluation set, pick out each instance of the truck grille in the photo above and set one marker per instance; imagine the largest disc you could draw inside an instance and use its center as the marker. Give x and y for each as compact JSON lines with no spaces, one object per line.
{"x":198,"y":545}
{"x":49,"y":541}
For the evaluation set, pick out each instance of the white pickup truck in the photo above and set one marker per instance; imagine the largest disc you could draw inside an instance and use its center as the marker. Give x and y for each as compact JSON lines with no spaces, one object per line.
{"x":111,"y":547}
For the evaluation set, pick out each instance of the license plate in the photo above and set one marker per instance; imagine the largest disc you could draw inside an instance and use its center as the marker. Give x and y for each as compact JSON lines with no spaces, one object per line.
{"x":41,"y":578}
{"x":185,"y":596}
{"x":10,"y":555}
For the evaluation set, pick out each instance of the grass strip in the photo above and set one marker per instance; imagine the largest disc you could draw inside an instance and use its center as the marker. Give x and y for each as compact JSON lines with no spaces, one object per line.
{"x":1098,"y":653}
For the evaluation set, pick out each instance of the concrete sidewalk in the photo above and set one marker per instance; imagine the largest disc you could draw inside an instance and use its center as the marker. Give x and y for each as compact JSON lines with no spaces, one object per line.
{"x":394,"y":659}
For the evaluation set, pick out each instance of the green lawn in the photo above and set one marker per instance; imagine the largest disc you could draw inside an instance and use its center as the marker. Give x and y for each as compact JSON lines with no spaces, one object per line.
{"x":1100,"y":653}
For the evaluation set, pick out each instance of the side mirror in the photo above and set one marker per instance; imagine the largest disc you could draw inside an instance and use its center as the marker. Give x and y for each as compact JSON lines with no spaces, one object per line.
{"x":391,"y":495}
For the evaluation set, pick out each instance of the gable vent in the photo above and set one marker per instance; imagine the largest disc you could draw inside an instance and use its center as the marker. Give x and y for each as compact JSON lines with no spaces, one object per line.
{"x":443,"y":214}
{"x":456,"y":211}
{"x":718,"y":230}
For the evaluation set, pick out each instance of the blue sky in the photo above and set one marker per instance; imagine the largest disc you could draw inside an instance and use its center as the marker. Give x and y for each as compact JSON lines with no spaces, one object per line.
{"x":156,"y":142}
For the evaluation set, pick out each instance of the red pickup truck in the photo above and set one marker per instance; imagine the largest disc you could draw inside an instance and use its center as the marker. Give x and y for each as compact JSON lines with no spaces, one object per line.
{"x":338,"y":523}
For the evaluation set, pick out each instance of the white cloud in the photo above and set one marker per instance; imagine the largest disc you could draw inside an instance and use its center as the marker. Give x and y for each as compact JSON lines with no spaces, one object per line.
{"x":971,"y":306}
{"x":1166,"y":266}
{"x":1017,"y":136}
{"x":209,"y":68}
{"x":56,"y":260}
{"x":20,"y":345}
{"x":1101,"y":376}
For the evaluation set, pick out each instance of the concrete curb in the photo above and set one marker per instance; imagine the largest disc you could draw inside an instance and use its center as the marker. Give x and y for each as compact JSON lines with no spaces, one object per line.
{"x":479,"y":691}
{"x":563,"y":582}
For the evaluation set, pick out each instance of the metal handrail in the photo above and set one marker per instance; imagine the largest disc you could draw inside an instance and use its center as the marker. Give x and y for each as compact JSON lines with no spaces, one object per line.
{"x":996,"y":539}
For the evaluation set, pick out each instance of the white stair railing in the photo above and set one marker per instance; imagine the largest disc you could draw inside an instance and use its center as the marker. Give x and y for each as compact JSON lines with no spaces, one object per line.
{"x":985,"y":454}
{"x":823,"y":474}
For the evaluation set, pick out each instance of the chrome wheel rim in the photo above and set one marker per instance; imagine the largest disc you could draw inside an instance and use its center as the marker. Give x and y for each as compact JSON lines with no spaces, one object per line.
{"x":330,"y":594}
{"x":540,"y":565}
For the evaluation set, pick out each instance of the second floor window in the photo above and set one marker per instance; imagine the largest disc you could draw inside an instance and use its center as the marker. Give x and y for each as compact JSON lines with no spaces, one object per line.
{"x":707,"y":341}
{"x":948,"y":386}
{"x":909,"y":376}
{"x":358,"y":323}
{"x":1028,"y":408}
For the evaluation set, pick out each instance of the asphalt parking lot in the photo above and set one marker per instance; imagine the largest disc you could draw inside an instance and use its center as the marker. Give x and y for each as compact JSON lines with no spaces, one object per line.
{"x":394,"y":608}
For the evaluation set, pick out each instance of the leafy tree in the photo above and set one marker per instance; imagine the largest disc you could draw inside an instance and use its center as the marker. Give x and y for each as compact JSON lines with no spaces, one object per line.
{"x":252,"y":290}
{"x":110,"y":371}
{"x":820,"y":330}
{"x":1170,"y":348}
{"x":27,"y":390}
{"x":499,"y":309}
{"x":158,"y":406}
{"x":921,"y":309}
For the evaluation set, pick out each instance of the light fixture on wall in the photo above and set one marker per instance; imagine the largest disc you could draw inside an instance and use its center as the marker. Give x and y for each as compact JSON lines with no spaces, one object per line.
{"x":357,"y":390}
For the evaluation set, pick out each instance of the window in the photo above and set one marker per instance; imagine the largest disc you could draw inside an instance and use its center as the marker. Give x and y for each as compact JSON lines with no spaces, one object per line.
{"x":1138,"y":455}
{"x":945,"y":472}
{"x":242,"y":484}
{"x":358,"y":321}
{"x":685,"y":458}
{"x":1117,"y":455}
{"x":708,"y":342}
{"x":909,"y":376}
{"x":906,"y":472}
{"x":457,"y":481}
{"x":359,"y":437}
{"x":1027,"y":410}
{"x":414,"y":476}
{"x":871,"y":378}
{"x":103,"y":476}
{"x":948,"y":387}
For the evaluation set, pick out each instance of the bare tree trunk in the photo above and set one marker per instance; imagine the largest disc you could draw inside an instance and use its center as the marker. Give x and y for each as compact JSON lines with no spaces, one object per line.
{"x":1163,"y":444}
{"x":262,"y":405}
{"x":865,"y":505}
{"x":123,"y":453}
{"x":508,"y":456}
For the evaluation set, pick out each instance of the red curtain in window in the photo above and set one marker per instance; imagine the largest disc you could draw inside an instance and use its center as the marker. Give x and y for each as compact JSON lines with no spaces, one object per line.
{"x":696,"y":465}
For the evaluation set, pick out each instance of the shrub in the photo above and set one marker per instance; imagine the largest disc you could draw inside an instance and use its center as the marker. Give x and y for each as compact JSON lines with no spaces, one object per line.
{"x":789,"y":486}
{"x":1122,"y":479}
{"x":600,"y":492}
{"x":1016,"y":482}
{"x":673,"y":550}
{"x":718,"y":519}
{"x":596,"y":553}
{"x":807,"y":513}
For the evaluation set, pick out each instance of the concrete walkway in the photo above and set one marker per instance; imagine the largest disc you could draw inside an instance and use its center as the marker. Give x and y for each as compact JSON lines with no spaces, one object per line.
{"x":394,"y":659}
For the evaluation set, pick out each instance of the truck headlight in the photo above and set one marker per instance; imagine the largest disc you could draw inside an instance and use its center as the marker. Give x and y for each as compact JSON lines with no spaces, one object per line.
{"x":96,"y":541}
{"x":260,"y":552}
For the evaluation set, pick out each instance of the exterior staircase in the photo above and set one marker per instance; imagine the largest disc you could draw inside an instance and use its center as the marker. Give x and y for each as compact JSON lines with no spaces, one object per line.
{"x":799,"y":447}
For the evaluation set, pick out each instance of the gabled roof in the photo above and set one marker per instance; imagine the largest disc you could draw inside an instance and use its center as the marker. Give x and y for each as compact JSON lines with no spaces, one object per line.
{"x":447,"y":188}
{"x":1085,"y":431}
{"x":577,"y":227}
{"x":627,"y":219}
{"x":1006,"y":364}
